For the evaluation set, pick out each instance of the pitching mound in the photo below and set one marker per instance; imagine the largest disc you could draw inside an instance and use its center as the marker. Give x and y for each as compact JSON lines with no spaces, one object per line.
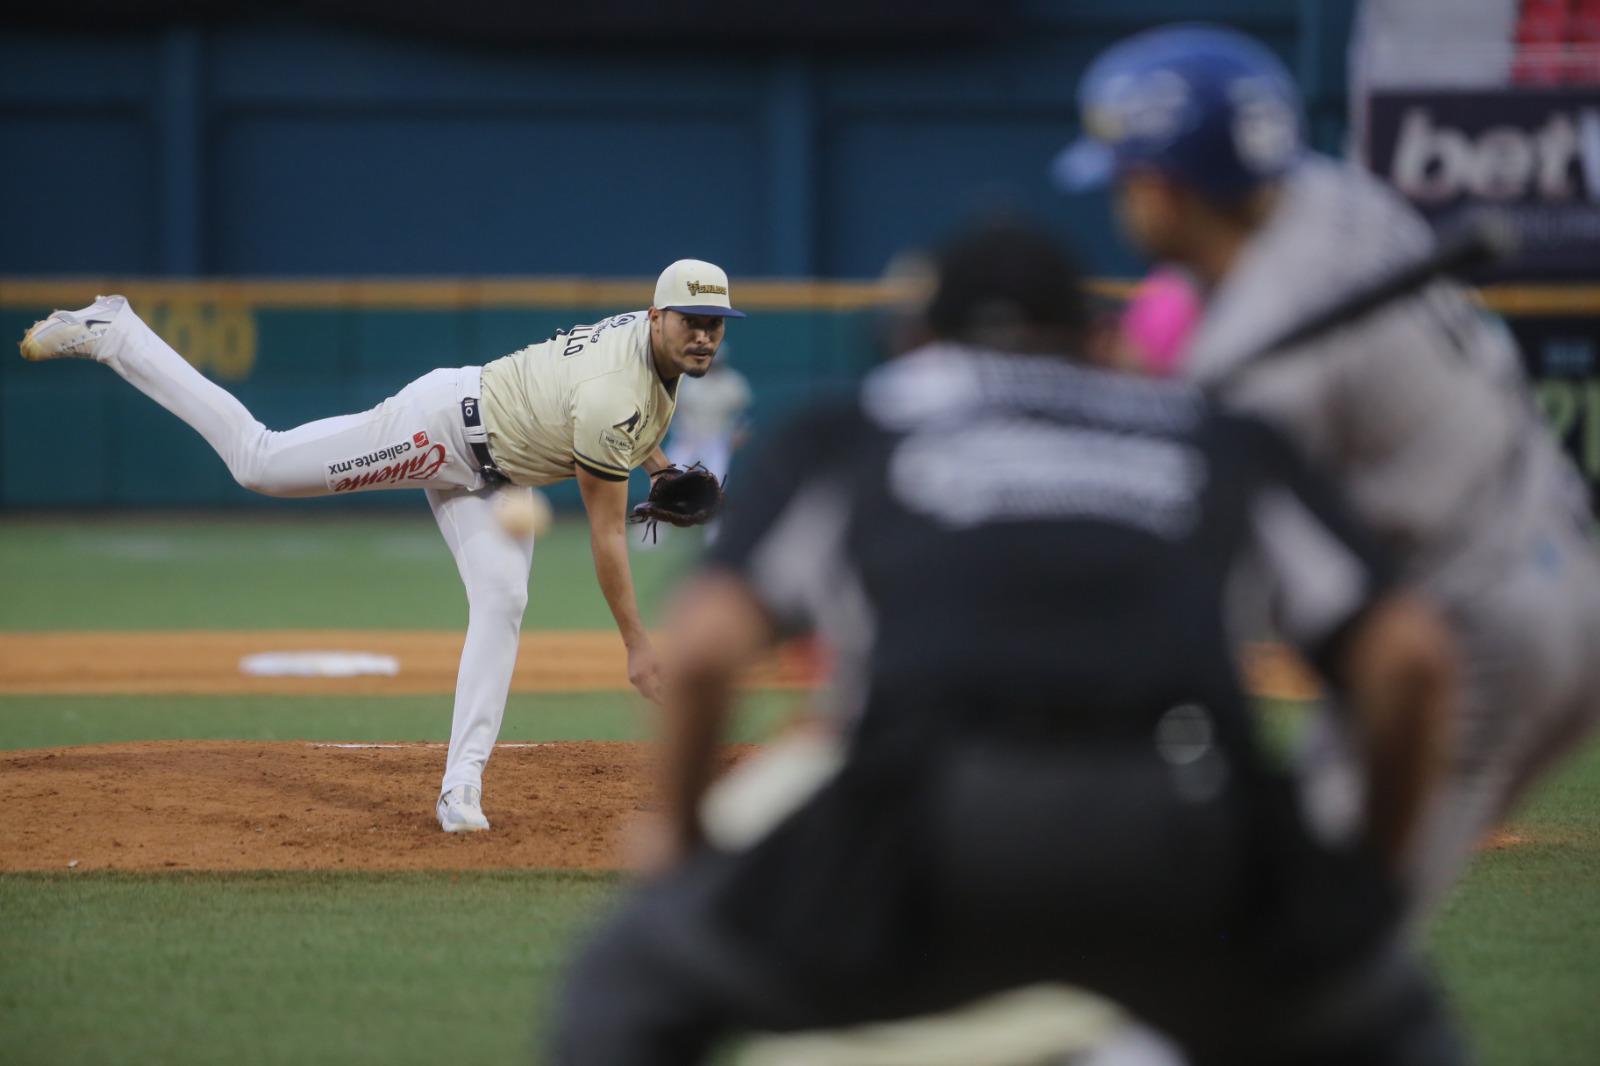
{"x":219,"y":805}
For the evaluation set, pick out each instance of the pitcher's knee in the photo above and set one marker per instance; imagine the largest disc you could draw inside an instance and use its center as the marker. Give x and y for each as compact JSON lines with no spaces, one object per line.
{"x":254,"y":482}
{"x":504,"y":597}
{"x":258,"y":480}
{"x":256,"y":464}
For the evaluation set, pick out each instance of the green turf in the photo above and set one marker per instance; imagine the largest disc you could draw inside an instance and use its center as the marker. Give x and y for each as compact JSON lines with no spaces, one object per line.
{"x":443,"y":969}
{"x":425,"y":968}
{"x":283,"y":968}
{"x":53,"y":721}
{"x":258,"y":572}
{"x":1518,"y":944}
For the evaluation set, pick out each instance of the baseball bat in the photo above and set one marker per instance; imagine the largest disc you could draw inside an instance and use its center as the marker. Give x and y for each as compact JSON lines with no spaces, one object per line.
{"x":1486,"y":239}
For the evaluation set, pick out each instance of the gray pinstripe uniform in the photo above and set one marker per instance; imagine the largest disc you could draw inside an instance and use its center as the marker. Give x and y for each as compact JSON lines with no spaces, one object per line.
{"x":1422,"y":414}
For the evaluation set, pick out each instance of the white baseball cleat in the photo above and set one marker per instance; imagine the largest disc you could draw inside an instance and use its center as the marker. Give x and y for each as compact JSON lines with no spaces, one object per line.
{"x":71,"y":334}
{"x":460,"y":810}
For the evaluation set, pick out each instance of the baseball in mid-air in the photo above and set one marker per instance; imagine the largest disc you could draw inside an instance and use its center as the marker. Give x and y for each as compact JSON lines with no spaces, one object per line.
{"x":523,"y":512}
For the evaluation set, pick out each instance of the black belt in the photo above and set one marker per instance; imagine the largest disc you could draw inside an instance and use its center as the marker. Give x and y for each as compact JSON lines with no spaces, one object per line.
{"x":478,"y":441}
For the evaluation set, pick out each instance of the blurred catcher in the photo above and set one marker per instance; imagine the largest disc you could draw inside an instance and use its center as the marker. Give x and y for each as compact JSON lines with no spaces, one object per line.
{"x":592,"y":402}
{"x":1052,"y":772}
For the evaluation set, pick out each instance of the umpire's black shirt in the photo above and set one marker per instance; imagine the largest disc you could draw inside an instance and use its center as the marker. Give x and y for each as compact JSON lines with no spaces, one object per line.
{"x":1023,"y":566}
{"x":1002,"y":544}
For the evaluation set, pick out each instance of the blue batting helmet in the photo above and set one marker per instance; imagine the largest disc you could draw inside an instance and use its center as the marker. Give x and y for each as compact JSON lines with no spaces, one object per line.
{"x":1210,"y":107}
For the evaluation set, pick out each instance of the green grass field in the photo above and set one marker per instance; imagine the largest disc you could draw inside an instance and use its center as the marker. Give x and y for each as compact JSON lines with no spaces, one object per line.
{"x":269,"y":572}
{"x":433,"y":968}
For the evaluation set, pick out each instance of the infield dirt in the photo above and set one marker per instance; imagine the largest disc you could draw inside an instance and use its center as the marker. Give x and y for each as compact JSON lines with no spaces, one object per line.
{"x":206,"y":662}
{"x":239,"y":805}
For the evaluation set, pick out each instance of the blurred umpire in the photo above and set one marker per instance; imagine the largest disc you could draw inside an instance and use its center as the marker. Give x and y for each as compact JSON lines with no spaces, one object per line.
{"x":1053,"y":771}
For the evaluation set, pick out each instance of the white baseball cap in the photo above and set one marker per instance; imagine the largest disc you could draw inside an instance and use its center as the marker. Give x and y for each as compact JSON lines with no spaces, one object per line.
{"x":694,"y":287}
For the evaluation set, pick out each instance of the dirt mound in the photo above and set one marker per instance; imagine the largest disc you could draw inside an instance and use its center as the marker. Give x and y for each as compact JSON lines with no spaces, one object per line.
{"x":241,"y":805}
{"x":299,"y":806}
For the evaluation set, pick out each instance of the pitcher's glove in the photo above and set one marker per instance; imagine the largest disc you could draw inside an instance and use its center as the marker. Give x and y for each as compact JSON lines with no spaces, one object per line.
{"x":680,"y":497}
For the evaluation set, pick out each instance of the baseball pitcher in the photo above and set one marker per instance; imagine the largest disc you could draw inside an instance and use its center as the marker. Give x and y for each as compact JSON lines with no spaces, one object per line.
{"x":593,"y":402}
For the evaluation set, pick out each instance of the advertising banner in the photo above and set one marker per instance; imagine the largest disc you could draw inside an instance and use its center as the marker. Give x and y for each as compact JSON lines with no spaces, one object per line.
{"x":1562,"y":353}
{"x":1532,"y":154}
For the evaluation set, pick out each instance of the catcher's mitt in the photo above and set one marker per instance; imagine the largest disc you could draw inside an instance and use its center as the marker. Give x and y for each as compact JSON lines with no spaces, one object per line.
{"x":680,"y":497}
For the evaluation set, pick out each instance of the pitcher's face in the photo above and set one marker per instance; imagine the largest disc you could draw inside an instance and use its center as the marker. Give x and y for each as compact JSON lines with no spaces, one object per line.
{"x":685,"y":344}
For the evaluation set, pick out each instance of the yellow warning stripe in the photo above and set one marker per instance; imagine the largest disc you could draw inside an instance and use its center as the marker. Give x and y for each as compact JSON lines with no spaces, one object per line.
{"x":536,"y":293}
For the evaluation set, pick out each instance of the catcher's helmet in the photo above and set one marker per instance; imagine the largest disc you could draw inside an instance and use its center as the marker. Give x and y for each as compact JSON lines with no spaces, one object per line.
{"x":1210,"y":107}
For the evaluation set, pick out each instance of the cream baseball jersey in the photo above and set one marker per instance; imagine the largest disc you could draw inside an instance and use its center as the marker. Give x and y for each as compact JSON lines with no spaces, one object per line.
{"x":589,"y":396}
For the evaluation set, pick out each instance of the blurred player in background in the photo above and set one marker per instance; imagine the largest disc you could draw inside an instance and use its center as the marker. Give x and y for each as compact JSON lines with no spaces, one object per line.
{"x":899,"y":324}
{"x":710,"y":422}
{"x":1149,"y":331}
{"x":1154,"y":330}
{"x":1419,"y":410}
{"x":711,"y":418}
{"x":591,"y":403}
{"x":1053,"y":772}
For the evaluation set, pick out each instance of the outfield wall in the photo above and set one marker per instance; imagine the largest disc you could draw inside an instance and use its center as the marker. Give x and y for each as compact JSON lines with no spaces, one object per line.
{"x":266,"y":141}
{"x":72,"y":435}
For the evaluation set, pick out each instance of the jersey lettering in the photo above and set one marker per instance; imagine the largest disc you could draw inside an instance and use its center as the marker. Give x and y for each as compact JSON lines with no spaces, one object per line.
{"x":578,"y":337}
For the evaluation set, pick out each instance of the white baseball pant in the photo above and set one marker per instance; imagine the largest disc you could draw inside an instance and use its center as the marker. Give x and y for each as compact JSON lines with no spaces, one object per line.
{"x":414,"y":439}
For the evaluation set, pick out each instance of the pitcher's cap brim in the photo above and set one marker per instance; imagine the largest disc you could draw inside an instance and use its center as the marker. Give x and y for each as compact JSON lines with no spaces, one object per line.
{"x":706,"y":309}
